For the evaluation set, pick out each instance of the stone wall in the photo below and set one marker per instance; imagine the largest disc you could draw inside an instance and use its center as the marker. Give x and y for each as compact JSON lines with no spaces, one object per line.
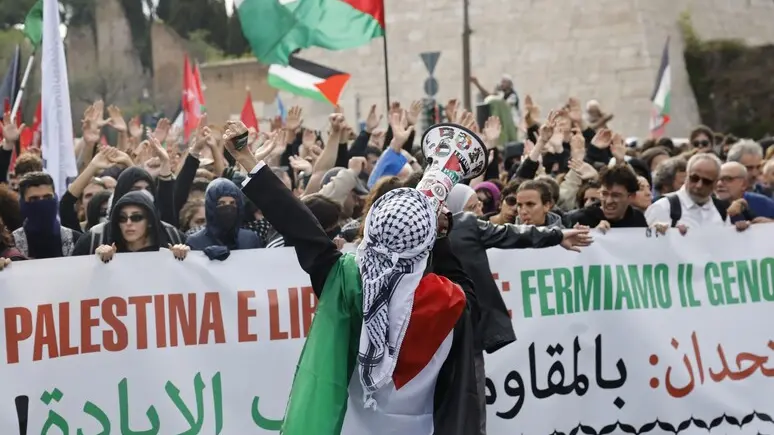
{"x":604,"y":49}
{"x":104,"y":64}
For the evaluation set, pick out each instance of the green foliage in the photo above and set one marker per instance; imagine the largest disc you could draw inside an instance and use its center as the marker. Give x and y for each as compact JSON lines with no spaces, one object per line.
{"x":201,"y":49}
{"x":236,"y":44}
{"x":139,"y":25}
{"x":731,"y":82}
{"x":13,"y":12}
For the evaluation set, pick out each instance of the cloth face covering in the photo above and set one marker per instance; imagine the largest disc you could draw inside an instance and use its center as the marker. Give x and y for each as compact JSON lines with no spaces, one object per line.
{"x":400,"y":231}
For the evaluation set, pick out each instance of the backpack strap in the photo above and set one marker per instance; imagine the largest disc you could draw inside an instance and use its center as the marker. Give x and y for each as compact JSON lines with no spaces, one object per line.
{"x":675,"y":209}
{"x":721,"y":206}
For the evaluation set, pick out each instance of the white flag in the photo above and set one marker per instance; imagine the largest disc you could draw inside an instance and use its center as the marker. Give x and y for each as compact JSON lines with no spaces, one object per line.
{"x":58,"y":143}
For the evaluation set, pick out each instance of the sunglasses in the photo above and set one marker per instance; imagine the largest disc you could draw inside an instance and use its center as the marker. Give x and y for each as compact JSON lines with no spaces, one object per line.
{"x":700,"y":143}
{"x":133,"y":217}
{"x":705,"y":181}
{"x":510,"y":200}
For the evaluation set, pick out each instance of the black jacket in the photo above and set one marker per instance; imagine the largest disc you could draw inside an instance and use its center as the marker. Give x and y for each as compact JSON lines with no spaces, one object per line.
{"x":592,"y":215}
{"x":470,"y":239}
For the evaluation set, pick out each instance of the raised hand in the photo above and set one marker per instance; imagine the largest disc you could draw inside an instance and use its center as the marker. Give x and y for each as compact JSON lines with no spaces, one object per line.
{"x":451,"y":110}
{"x":415,"y":109}
{"x":492,"y":130}
{"x":603,"y":138}
{"x":11,"y":132}
{"x":373,"y":120}
{"x":400,"y":130}
{"x":618,"y":148}
{"x":135,"y":128}
{"x":577,"y":145}
{"x":162,"y":129}
{"x":300,"y":164}
{"x":294,"y":119}
{"x":116,"y":119}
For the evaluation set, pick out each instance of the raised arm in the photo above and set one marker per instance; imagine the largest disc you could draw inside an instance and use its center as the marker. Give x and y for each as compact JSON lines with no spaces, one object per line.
{"x":316,"y":252}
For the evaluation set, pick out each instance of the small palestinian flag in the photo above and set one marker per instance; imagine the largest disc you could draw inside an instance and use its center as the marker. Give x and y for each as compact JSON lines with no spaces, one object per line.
{"x":661,"y":95}
{"x":308,"y":79}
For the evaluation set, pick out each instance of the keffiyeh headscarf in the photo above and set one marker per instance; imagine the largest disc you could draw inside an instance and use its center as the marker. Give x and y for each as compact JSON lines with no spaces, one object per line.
{"x":399,"y":233}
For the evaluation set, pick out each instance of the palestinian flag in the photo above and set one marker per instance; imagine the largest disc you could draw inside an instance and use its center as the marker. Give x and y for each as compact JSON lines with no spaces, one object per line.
{"x":277,"y":28}
{"x":661,"y":95}
{"x":308,"y":79}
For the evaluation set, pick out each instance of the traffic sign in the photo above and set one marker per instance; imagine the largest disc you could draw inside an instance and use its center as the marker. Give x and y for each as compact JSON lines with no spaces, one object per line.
{"x":431,"y":87}
{"x":430,"y":59}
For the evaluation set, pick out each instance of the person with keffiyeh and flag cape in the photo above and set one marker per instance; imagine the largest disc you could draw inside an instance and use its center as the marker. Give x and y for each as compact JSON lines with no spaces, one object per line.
{"x":390,"y":349}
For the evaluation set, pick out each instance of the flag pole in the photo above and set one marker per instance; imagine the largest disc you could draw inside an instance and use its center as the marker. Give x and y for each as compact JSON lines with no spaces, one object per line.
{"x":20,"y":94}
{"x":386,"y":69}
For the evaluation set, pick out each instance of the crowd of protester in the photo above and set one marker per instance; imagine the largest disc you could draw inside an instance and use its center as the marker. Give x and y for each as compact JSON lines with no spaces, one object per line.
{"x":152,"y":190}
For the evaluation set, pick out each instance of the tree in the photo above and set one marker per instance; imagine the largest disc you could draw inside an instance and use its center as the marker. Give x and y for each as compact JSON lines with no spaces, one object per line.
{"x":236,"y":45}
{"x":13,"y":12}
{"x":216,"y":23}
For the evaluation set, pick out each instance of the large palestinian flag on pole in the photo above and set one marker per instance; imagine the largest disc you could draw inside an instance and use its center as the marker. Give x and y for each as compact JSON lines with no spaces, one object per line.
{"x":661,"y":95}
{"x":277,"y":28}
{"x":308,"y":79}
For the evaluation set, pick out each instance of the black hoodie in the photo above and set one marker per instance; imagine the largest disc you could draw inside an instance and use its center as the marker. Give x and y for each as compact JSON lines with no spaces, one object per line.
{"x":95,"y":236}
{"x":156,"y":231}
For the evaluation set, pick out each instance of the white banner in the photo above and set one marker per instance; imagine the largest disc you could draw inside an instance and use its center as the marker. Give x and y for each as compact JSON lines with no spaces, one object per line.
{"x":634,"y":335}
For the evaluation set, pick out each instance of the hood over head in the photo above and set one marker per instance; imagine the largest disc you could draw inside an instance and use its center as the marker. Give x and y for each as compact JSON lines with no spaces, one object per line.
{"x":125,"y":183}
{"x":144,"y":200}
{"x":221,"y":223}
{"x":96,"y":203}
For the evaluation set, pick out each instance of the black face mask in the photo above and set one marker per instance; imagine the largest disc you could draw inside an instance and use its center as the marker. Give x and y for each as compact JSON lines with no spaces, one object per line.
{"x":227,"y":216}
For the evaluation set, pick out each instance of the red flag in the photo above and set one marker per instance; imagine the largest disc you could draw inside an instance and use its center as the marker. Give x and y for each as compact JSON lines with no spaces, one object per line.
{"x":191,"y":103}
{"x":248,"y":113}
{"x":198,"y":81}
{"x":28,"y":134}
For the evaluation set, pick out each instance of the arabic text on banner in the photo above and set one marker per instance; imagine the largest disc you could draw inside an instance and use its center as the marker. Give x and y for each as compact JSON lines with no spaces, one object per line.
{"x":635,"y":335}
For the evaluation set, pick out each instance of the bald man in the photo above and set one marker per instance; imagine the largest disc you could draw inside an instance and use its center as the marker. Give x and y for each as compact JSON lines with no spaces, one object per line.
{"x":733,"y":184}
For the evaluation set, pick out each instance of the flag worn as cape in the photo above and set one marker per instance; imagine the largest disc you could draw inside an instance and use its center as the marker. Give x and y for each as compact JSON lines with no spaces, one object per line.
{"x":277,"y":28}
{"x":308,"y":79}
{"x":429,"y":383}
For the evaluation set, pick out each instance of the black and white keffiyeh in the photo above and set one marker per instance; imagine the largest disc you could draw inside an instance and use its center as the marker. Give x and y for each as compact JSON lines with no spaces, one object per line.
{"x":399,"y":233}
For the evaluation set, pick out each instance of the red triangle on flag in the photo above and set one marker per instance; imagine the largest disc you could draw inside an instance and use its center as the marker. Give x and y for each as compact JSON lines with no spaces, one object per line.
{"x":332,"y":86}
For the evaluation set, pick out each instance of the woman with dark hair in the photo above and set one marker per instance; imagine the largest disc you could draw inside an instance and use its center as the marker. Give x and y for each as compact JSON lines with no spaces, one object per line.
{"x":134,"y":226}
{"x":534,"y":202}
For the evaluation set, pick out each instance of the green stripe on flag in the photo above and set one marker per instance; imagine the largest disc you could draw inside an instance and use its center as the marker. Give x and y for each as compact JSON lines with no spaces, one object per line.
{"x":283,"y":82}
{"x":275,"y":29}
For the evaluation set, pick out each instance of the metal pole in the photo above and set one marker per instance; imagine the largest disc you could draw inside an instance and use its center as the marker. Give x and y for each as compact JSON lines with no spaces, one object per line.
{"x":386,"y":70}
{"x":20,"y":94}
{"x":466,"y":32}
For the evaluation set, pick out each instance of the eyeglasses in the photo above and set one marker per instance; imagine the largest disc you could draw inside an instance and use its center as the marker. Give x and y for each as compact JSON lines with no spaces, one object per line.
{"x":136,"y":217}
{"x":701,"y":143}
{"x":693,"y":178}
{"x":510,"y":200}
